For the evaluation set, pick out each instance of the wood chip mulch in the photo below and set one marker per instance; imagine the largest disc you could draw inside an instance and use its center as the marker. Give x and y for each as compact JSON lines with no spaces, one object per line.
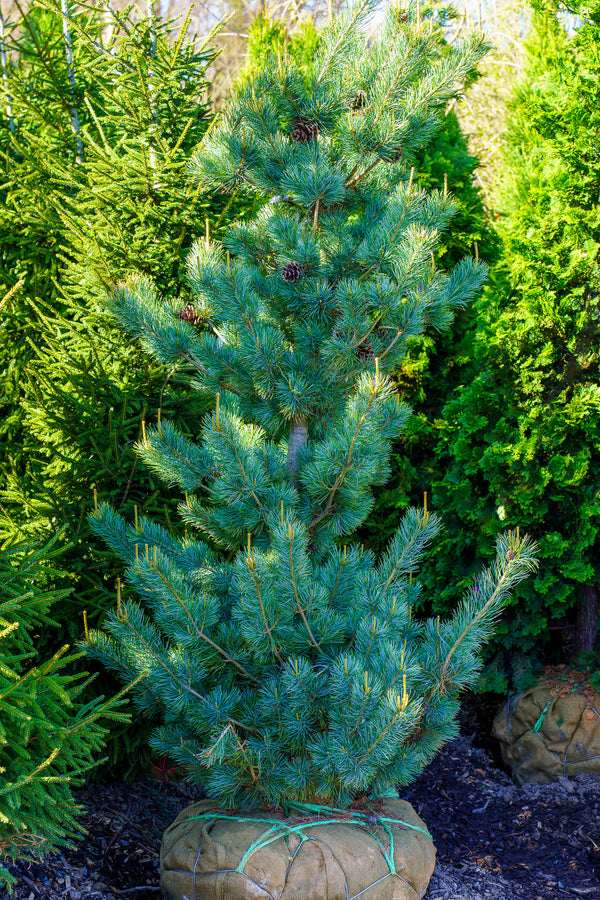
{"x":494,"y":841}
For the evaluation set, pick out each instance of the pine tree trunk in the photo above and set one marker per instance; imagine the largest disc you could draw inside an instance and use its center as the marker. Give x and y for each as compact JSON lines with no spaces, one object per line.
{"x":298,"y":438}
{"x":587,"y":611}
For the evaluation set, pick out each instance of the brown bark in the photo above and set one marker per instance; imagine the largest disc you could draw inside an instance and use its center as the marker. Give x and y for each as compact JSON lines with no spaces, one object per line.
{"x":587,"y":611}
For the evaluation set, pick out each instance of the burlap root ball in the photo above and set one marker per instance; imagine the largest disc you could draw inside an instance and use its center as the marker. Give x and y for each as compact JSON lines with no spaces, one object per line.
{"x":219,"y":858}
{"x":551,"y":729}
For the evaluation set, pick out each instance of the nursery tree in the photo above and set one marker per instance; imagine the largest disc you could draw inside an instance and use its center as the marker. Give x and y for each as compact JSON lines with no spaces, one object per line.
{"x":103,"y":213}
{"x":49,"y":738}
{"x":29,"y":226}
{"x":519,"y":444}
{"x":292,"y":668}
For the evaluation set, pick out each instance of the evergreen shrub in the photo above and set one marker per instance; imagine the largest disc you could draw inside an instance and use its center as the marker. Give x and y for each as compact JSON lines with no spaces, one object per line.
{"x":434,"y":367}
{"x":292,"y":668}
{"x":89,"y":207}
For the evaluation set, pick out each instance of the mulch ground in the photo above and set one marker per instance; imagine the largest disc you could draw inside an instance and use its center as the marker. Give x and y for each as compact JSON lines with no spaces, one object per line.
{"x":500,"y":842}
{"x":494,"y":841}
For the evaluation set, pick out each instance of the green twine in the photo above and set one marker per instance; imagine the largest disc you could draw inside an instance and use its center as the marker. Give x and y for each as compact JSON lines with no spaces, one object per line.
{"x":281,"y":829}
{"x":540,"y":721}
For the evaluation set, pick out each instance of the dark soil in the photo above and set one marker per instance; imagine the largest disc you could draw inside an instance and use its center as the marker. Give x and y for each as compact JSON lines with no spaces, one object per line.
{"x":500,"y":842}
{"x":494,"y":841}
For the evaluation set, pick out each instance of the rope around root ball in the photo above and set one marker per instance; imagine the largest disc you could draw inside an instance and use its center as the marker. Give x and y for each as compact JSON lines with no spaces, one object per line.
{"x":279,"y":829}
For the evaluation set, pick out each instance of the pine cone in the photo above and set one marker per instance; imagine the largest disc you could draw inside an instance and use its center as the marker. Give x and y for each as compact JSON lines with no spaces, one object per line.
{"x":292,"y":272}
{"x":189,"y":314}
{"x":303,"y":132}
{"x":365,"y":352}
{"x":360,"y":101}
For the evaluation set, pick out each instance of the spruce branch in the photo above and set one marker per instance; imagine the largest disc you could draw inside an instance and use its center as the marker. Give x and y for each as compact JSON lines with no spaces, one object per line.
{"x":5,"y":82}
{"x":72,"y":79}
{"x":86,"y":36}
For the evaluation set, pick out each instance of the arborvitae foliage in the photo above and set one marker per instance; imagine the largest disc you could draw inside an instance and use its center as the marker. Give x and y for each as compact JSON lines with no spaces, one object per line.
{"x":520,"y":443}
{"x":293,"y":669}
{"x":82,"y":391}
{"x":49,"y":738}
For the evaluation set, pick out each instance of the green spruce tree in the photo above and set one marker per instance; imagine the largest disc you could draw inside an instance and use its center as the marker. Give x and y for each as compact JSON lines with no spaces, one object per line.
{"x":291,"y":668}
{"x":49,"y":738}
{"x":75,"y":392}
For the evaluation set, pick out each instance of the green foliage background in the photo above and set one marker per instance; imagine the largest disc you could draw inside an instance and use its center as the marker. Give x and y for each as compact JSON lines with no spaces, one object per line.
{"x":74,"y":393}
{"x":49,"y":737}
{"x":434,"y":368}
{"x":514,"y":440}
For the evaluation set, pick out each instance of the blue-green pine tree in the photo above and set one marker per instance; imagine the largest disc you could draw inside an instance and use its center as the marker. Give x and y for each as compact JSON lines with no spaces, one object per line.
{"x":283,"y":659}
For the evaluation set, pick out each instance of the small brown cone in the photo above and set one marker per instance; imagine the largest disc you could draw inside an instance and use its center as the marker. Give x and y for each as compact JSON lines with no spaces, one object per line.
{"x":359,"y":101}
{"x":365,"y":352}
{"x":292,"y":272}
{"x":189,"y":314}
{"x":303,"y":132}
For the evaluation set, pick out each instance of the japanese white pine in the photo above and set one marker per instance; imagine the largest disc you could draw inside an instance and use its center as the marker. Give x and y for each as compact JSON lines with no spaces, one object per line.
{"x":283,"y":659}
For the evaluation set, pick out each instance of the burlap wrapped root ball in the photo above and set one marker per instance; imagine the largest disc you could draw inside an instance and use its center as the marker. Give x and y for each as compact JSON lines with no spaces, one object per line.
{"x":208,"y":855}
{"x":550,"y":730}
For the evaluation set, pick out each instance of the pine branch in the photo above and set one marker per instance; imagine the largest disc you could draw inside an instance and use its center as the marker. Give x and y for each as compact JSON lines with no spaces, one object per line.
{"x":289,"y":537}
{"x":347,"y":464}
{"x":251,"y":566}
{"x":514,"y":561}
{"x":200,"y":634}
